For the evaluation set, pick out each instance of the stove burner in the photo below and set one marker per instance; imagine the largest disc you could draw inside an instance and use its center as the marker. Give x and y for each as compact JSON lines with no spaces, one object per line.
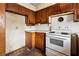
{"x":52,"y":32}
{"x":64,"y":33}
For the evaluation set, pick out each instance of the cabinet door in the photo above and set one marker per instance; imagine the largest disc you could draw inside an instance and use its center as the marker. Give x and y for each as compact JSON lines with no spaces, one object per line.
{"x":52,"y":10}
{"x":20,"y":9}
{"x":31,"y":18}
{"x":39,"y":41}
{"x":74,"y":45}
{"x":66,"y":7}
{"x":24,"y":11}
{"x":77,"y":12}
{"x":38,"y":17}
{"x":55,"y":9}
{"x":44,"y":18}
{"x":28,"y":41}
{"x":41,"y":16}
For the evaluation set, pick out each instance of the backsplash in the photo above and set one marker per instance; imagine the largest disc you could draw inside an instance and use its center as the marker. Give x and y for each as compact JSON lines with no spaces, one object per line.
{"x":30,"y":28}
{"x":74,"y":26}
{"x":40,"y":27}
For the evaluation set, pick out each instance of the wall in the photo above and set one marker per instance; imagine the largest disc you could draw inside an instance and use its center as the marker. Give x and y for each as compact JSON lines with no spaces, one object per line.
{"x":15,"y":35}
{"x":74,"y":27}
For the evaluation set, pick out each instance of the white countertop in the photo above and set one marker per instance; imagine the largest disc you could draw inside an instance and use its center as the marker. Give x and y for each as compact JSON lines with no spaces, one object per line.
{"x":38,"y":28}
{"x":46,"y":31}
{"x":43,"y":31}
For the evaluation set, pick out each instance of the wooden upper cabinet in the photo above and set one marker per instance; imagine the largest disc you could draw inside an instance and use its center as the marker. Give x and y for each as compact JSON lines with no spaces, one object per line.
{"x":38,"y":17}
{"x":2,"y":29}
{"x":65,"y":7}
{"x":12,"y":7}
{"x":70,"y":7}
{"x":31,"y":18}
{"x":44,"y":18}
{"x":52,"y":10}
{"x":77,"y":12}
{"x":41,"y":16}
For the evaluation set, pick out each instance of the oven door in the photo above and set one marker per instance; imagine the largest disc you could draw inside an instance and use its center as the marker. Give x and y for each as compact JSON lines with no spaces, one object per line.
{"x":59,"y":44}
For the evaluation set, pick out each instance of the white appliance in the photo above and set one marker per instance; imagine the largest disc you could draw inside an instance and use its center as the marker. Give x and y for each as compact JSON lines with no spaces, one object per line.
{"x":58,"y":40}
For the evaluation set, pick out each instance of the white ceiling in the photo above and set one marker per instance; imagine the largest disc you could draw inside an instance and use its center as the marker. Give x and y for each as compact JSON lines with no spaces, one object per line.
{"x":36,"y":6}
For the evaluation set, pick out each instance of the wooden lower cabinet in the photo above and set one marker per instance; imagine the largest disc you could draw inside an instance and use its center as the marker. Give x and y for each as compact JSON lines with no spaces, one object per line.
{"x":74,"y":40}
{"x":30,"y":40}
{"x":35,"y":40}
{"x":39,"y":41}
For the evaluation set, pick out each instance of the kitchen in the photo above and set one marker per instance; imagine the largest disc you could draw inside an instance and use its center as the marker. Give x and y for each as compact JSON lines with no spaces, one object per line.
{"x":51,"y":28}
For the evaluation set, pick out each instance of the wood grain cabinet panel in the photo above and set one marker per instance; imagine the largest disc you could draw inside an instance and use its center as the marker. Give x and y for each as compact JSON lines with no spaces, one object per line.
{"x":31,"y":18}
{"x":39,"y":41}
{"x":77,"y":11}
{"x":25,"y":11}
{"x":12,"y":7}
{"x":28,"y":39}
{"x":54,"y":9}
{"x":38,"y":17}
{"x":2,"y":29}
{"x":44,"y":18}
{"x":74,"y":46}
{"x":65,"y":7}
{"x":41,"y":16}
